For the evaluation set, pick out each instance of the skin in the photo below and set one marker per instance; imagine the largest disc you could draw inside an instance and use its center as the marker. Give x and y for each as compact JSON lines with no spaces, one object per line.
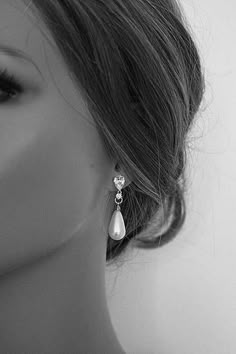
{"x":55,"y":178}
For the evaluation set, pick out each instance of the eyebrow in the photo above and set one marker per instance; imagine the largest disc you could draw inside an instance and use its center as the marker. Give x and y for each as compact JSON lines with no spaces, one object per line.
{"x":17,"y":53}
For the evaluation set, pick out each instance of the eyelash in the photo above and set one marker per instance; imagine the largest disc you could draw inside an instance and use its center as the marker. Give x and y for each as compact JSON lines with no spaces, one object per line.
{"x":9,"y":84}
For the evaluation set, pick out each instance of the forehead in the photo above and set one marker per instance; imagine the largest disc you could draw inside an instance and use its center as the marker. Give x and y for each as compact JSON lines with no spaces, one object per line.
{"x":21,"y":29}
{"x":17,"y":24}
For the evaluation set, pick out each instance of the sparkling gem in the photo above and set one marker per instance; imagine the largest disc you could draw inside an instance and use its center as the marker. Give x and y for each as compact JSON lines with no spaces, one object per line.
{"x":119,"y":182}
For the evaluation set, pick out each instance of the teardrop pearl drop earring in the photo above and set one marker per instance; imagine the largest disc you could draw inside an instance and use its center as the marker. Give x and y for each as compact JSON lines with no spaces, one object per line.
{"x":117,"y":226}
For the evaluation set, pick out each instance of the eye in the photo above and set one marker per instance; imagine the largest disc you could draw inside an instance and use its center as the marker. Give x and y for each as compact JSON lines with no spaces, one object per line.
{"x":9,"y":86}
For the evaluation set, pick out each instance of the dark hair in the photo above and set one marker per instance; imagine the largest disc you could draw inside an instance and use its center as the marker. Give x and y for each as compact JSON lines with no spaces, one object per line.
{"x":139,"y":69}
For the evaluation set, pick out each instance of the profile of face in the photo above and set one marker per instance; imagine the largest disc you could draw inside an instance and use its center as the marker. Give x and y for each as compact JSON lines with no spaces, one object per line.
{"x":53,"y":166}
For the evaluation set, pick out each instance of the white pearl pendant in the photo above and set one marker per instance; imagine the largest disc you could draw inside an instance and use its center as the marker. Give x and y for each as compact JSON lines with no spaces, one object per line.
{"x":117,"y":226}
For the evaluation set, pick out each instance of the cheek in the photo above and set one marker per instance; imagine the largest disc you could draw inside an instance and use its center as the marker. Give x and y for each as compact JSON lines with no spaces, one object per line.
{"x":46,"y":189}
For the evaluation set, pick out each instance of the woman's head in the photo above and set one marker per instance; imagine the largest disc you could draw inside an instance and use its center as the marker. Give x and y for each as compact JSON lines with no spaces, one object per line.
{"x":121,"y":84}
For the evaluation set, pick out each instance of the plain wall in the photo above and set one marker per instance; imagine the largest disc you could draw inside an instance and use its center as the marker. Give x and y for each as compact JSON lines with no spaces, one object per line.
{"x":181,"y":298}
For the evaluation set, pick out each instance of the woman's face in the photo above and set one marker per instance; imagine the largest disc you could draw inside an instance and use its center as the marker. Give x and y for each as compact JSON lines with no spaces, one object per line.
{"x":52,"y":163}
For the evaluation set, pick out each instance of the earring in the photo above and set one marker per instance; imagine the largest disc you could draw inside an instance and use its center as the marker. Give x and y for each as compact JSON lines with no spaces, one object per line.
{"x":117,"y":226}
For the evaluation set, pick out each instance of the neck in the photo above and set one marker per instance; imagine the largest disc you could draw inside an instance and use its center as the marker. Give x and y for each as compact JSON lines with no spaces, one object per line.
{"x":58,"y":303}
